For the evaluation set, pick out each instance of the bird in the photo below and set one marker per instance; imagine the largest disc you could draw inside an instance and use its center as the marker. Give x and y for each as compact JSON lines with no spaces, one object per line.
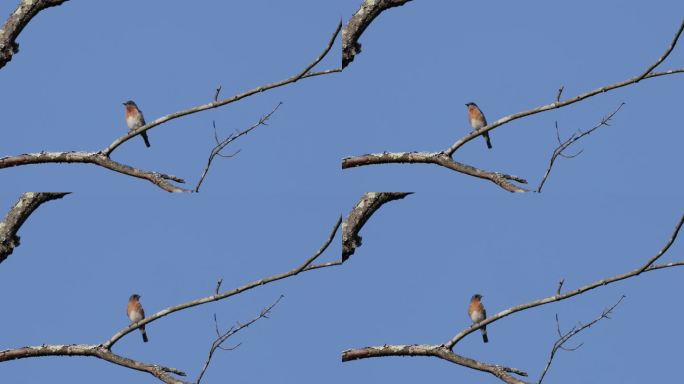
{"x":477,"y":313}
{"x":135,"y":119}
{"x":136,"y":313}
{"x":478,"y":120}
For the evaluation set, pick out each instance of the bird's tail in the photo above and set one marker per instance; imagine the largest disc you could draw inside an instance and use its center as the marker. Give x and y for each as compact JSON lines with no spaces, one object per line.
{"x":144,"y":334}
{"x":489,"y":144}
{"x":147,"y":140}
{"x":484,"y":334}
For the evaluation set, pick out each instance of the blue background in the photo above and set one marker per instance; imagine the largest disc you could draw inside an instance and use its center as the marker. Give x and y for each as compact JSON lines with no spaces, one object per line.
{"x":270,"y":207}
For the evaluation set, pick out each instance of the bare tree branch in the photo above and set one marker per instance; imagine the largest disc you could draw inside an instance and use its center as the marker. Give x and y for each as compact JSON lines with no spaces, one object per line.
{"x":566,"y":102}
{"x":102,"y":158}
{"x":665,"y":55}
{"x":560,"y":92}
{"x":305,"y":73}
{"x":369,"y":10}
{"x":222,"y":337}
{"x":158,"y":371}
{"x":438,"y":157}
{"x":648,"y":266}
{"x":562,"y":146}
{"x":501,"y":372}
{"x":359,"y":215}
{"x":306,"y":266}
{"x":560,"y":286}
{"x":564,"y":337}
{"x":17,"y":215}
{"x":433,"y":350}
{"x":156,"y":178}
{"x":103,"y":351}
{"x":17,"y":21}
{"x":220,"y":145}
{"x":498,"y":178}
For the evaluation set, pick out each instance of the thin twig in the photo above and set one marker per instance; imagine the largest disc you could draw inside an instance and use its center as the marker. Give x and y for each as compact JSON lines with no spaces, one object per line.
{"x":564,"y":337}
{"x":571,"y":140}
{"x":560,"y":285}
{"x":665,"y":55}
{"x":220,"y":145}
{"x":665,"y":248}
{"x":222,"y":337}
{"x":559,"y":93}
{"x":218,"y":286}
{"x":307,"y":264}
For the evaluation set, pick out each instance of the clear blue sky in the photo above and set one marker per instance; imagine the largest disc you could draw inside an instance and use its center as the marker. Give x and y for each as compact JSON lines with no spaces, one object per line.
{"x":270,"y":207}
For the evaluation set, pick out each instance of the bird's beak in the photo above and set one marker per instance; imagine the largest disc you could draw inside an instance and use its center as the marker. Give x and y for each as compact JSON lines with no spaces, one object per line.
{"x":466,"y":105}
{"x":123,"y":103}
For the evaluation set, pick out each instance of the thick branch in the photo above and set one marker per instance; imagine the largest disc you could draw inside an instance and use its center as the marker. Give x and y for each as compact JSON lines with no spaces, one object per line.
{"x":306,"y":266}
{"x":359,"y":215}
{"x":15,"y":218}
{"x":156,"y":178}
{"x":158,"y":371}
{"x":17,"y":21}
{"x":369,"y":10}
{"x":502,"y":372}
{"x":305,"y":73}
{"x":500,"y":179}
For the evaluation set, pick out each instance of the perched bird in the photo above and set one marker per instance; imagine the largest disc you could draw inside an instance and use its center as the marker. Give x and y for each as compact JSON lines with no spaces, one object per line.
{"x":135,"y":119}
{"x":136,"y":313}
{"x":478,"y":120}
{"x":477,"y":313}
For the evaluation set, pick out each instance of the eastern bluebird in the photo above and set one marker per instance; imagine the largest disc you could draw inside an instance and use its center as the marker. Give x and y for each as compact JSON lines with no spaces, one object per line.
{"x":477,"y":313}
{"x":135,"y":119}
{"x":136,"y":313}
{"x":478,"y":120}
